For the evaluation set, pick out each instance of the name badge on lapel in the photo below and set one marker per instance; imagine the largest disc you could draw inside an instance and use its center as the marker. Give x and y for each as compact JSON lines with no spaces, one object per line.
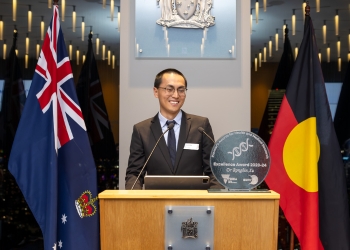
{"x":191,"y":146}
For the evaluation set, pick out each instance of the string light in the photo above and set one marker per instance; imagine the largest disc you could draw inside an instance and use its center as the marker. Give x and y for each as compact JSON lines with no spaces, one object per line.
{"x":270,"y":47}
{"x":317,"y":5}
{"x":264,"y":52}
{"x":324,"y":32}
{"x":293,"y":23}
{"x":70,"y":50}
{"x":104,"y":4}
{"x":328,"y":53}
{"x":26,"y":61}
{"x":112,"y":10}
{"x":296,"y":51}
{"x":265,"y":5}
{"x":260,"y":58}
{"x":83,"y":57}
{"x":82,"y":29}
{"x":1,"y":29}
{"x":251,"y":21}
{"x":14,"y":10}
{"x":42,"y":28}
{"x":256,"y":63}
{"x":118,"y":18}
{"x":16,"y":50}
{"x":109,"y":56}
{"x":257,"y":11}
{"x":339,"y":64}
{"x":30,"y":18}
{"x":27,"y":44}
{"x":349,"y":56}
{"x":338,"y":46}
{"x":97,"y":45}
{"x":303,"y":8}
{"x":320,"y":55}
{"x":276,"y":39}
{"x":103,"y":51}
{"x":4,"y":48}
{"x":284,"y":29}
{"x":63,"y":9}
{"x":37,"y":49}
{"x":349,"y":41}
{"x":74,"y":18}
{"x":77,"y":55}
{"x":113,"y":61}
{"x":49,"y":4}
{"x":336,"y":22}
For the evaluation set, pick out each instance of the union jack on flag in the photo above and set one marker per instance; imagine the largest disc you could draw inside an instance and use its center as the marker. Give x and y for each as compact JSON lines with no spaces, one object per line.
{"x":51,"y":157}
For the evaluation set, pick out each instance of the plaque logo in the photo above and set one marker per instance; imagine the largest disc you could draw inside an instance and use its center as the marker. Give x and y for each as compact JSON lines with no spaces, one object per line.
{"x":189,"y":229}
{"x":237,"y":151}
{"x":186,"y":13}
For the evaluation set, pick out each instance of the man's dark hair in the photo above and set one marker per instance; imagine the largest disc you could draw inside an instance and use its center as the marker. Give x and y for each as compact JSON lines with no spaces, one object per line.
{"x":159,"y":76}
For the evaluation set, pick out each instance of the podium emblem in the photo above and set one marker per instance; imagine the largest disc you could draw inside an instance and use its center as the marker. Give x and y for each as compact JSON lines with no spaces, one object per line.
{"x":189,"y":229}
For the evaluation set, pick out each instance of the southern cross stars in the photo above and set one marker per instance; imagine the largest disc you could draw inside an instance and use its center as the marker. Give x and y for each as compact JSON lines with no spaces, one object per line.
{"x":64,"y":218}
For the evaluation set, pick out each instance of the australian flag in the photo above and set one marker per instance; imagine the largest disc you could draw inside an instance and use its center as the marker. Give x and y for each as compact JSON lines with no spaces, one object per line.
{"x":51,"y":157}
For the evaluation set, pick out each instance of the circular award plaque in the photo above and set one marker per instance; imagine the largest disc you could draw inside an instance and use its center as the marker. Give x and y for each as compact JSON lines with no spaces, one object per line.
{"x":240,"y":160}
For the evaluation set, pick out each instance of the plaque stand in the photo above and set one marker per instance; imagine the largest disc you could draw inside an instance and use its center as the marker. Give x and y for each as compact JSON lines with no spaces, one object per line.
{"x":238,"y":191}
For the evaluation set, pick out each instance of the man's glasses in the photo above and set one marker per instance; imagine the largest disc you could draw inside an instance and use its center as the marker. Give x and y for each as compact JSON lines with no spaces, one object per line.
{"x":170,"y":90}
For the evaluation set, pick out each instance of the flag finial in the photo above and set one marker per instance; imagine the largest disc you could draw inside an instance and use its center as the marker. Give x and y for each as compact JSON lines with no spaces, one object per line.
{"x":307,"y":9}
{"x":55,"y":2}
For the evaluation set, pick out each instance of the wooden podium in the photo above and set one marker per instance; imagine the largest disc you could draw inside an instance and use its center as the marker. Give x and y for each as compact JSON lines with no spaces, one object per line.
{"x":136,"y":220}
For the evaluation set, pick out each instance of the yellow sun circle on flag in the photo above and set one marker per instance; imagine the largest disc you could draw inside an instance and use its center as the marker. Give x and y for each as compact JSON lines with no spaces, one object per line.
{"x":301,"y":153}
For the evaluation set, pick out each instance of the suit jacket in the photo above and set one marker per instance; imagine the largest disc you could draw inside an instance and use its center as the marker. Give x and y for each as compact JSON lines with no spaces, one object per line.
{"x":188,"y":162}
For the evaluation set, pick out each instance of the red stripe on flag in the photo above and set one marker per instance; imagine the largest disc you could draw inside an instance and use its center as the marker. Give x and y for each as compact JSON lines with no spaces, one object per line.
{"x":299,"y":206}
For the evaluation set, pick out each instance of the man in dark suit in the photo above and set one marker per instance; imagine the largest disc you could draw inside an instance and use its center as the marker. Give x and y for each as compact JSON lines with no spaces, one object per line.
{"x":183,"y":150}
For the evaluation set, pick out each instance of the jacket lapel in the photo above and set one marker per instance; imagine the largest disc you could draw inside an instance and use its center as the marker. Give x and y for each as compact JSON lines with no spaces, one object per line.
{"x":184,"y":131}
{"x":157,"y":132}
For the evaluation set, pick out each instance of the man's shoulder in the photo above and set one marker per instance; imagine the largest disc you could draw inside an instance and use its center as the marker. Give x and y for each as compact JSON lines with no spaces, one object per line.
{"x":146,"y":123}
{"x":194,"y":117}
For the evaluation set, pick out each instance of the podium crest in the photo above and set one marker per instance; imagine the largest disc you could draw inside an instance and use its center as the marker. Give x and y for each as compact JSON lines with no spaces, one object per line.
{"x":189,"y":229}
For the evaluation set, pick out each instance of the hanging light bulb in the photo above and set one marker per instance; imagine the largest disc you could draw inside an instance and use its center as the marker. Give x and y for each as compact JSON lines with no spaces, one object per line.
{"x":339,"y":64}
{"x":296,"y":50}
{"x":265,"y":5}
{"x":70,"y":50}
{"x":109,"y":55}
{"x":328,"y":54}
{"x":113,"y":61}
{"x":104,"y":4}
{"x":30,"y":18}
{"x":83,"y":57}
{"x":16,"y":50}
{"x":276,"y":39}
{"x":338,"y":46}
{"x":4,"y":48}
{"x":37,"y":49}
{"x":257,"y":11}
{"x":112,"y":10}
{"x":349,"y":56}
{"x":293,"y":23}
{"x":256,"y":63}
{"x":1,"y":29}
{"x":303,"y":8}
{"x":14,"y":10}
{"x":317,"y":5}
{"x":97,"y":45}
{"x":336,"y":22}
{"x":118,"y":18}
{"x":103,"y":51}
{"x":63,"y":9}
{"x":82,"y":29}
{"x":264,"y":52}
{"x":324,"y":32}
{"x":26,"y":61}
{"x":260,"y":58}
{"x":284,"y":29}
{"x":27,"y":44}
{"x":49,"y":4}
{"x":320,"y":55}
{"x":349,"y":41}
{"x":251,"y":21}
{"x":77,"y":55}
{"x":74,"y":18}
{"x":42,"y":28}
{"x":270,"y":47}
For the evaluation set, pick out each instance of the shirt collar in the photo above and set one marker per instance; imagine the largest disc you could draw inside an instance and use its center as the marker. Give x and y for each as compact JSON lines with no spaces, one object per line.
{"x":163,"y":120}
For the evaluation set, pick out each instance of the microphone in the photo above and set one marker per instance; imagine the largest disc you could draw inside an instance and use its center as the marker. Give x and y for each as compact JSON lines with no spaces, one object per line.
{"x":171,"y":126}
{"x":200,"y":129}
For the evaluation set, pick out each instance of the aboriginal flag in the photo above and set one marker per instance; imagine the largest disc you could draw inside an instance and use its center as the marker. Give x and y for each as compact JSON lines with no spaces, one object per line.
{"x":306,"y":167}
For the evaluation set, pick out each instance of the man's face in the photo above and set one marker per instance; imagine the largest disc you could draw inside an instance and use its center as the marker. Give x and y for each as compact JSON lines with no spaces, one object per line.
{"x":170,"y":104}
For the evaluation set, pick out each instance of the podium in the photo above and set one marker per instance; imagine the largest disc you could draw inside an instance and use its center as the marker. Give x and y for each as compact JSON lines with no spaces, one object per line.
{"x":135,"y":219}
